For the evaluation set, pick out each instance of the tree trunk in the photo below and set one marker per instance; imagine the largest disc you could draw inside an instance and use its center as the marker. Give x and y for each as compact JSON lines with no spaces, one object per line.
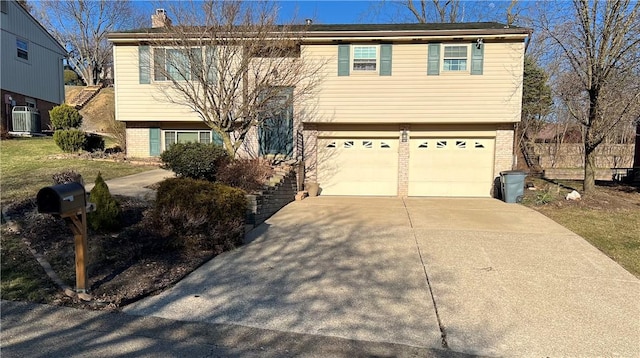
{"x":589,"y":183}
{"x":590,"y":142}
{"x":227,"y":144}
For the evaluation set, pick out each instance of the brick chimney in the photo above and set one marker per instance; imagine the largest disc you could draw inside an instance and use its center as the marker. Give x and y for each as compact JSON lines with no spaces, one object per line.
{"x":160,"y":19}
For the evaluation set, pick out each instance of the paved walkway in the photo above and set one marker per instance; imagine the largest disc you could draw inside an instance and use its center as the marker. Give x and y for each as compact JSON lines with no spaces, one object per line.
{"x":135,"y":185}
{"x":476,"y":276}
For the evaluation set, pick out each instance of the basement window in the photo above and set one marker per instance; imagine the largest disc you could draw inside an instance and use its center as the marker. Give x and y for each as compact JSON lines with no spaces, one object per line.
{"x":173,"y":137}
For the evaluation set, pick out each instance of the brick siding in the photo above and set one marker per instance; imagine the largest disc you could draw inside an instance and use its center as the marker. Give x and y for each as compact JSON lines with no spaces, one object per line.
{"x":403,"y":163}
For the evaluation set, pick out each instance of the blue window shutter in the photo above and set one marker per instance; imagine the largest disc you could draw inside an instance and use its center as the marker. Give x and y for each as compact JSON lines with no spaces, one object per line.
{"x":433,"y":60}
{"x":217,"y":139}
{"x":154,"y":142}
{"x":144,"y":64}
{"x":477,"y":59}
{"x":344,"y":51}
{"x":385,"y":59}
{"x":210,"y":64}
{"x":195,"y":64}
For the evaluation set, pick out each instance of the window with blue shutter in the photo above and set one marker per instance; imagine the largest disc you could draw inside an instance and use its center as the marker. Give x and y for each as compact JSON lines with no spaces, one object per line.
{"x":477,"y":59}
{"x":433,"y":60}
{"x":344,"y":52}
{"x":144,"y":64}
{"x":154,"y":142}
{"x":385,"y":59}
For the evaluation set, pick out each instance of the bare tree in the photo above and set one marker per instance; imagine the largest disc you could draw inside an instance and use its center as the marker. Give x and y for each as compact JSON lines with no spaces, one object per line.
{"x":232,"y":64}
{"x":447,"y":11}
{"x":601,"y":43}
{"x":441,"y":11}
{"x":82,"y":27}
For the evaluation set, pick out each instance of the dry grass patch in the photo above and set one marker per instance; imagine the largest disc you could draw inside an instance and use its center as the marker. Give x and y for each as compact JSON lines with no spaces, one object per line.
{"x":608,"y":218}
{"x":27,"y":164}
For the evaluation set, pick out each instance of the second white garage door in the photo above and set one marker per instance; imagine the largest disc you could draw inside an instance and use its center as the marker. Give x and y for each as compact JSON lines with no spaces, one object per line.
{"x":358,"y":166}
{"x":451,"y":167}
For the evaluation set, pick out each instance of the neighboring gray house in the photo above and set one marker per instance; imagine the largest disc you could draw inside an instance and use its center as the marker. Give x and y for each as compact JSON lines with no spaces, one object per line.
{"x":31,"y":65}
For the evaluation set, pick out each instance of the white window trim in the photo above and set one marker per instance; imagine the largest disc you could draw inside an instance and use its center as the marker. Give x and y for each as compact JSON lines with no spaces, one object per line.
{"x":27,"y":50}
{"x":176,"y":131}
{"x":352,"y":70}
{"x":468,"y":59}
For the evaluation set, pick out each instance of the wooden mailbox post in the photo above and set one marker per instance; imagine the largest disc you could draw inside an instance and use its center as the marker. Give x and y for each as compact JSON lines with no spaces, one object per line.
{"x":69,"y":201}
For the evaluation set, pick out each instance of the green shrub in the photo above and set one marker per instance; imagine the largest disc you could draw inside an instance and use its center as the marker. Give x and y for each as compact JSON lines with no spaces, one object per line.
{"x":194,"y":160}
{"x":107,"y":214}
{"x":65,"y":117}
{"x":249,"y":175}
{"x":67,"y":176}
{"x":71,"y":78}
{"x":69,"y":140}
{"x":93,"y":143}
{"x":213,"y":213}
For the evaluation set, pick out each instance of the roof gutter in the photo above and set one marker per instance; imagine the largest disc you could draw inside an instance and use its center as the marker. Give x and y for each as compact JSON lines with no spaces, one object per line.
{"x":348,"y":36}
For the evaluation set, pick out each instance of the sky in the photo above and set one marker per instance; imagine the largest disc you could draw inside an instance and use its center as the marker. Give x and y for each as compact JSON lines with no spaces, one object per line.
{"x":320,"y":11}
{"x":368,"y":11}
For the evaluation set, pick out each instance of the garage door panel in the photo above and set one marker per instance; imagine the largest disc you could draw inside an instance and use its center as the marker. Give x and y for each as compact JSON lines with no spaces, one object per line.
{"x":358,"y":166}
{"x":451,"y":167}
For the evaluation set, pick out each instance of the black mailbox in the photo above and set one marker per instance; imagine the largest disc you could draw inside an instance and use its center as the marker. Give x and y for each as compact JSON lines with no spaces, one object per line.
{"x":62,"y":199}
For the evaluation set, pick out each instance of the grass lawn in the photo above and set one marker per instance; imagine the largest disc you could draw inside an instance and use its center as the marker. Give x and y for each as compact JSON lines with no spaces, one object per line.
{"x":609,"y":219}
{"x":26,"y":167}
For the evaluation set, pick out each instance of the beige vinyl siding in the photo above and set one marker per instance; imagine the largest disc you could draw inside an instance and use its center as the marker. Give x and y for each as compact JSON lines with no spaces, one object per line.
{"x":410,"y":96}
{"x":143,"y":102}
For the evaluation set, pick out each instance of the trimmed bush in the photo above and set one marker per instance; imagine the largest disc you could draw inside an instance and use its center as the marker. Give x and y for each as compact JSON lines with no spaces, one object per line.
{"x":107,"y":214}
{"x":65,"y":117}
{"x":69,"y":140}
{"x":212,"y":213}
{"x":67,"y":176}
{"x":250,"y":175}
{"x":194,"y":160}
{"x":71,"y":78}
{"x":93,"y":143}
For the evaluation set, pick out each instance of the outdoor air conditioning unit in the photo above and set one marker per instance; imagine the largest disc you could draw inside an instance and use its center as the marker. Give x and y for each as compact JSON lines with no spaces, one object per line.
{"x":25,"y":119}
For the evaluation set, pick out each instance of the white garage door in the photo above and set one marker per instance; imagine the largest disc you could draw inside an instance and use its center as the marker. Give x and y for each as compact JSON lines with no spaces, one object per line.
{"x":358,"y":166}
{"x":451,"y":167}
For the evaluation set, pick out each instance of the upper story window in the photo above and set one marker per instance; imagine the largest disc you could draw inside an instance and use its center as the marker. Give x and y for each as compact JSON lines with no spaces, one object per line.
{"x":23,"y":48}
{"x":365,"y":58}
{"x":455,"y":58}
{"x":175,"y":64}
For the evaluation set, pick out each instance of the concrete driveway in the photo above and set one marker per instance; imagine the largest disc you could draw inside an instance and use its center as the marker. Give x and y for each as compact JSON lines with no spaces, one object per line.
{"x":475,"y":276}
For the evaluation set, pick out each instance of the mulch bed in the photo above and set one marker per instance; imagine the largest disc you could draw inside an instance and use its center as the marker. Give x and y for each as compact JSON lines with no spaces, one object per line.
{"x":122,"y":267}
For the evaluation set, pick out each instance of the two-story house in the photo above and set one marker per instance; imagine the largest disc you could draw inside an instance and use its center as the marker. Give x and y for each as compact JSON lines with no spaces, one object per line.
{"x":31,"y":66}
{"x":402,"y":109}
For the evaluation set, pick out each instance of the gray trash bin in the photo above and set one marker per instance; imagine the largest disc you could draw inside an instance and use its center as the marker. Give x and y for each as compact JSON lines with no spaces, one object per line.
{"x":512,"y":184}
